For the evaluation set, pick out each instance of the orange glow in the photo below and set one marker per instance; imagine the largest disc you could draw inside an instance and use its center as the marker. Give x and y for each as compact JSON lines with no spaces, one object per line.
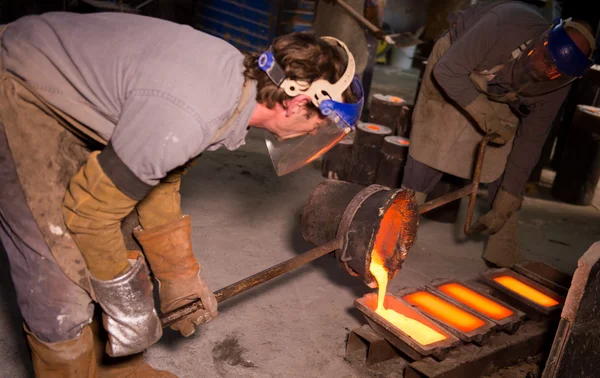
{"x":373,"y":127}
{"x":394,"y":223}
{"x":475,"y":301}
{"x":531,"y":52}
{"x":526,"y":291}
{"x":403,"y":142}
{"x":396,"y":99}
{"x":416,"y":330}
{"x":444,"y":311}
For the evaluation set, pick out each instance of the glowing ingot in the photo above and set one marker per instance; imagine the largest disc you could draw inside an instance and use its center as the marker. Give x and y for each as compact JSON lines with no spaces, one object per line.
{"x":476,"y":301}
{"x":526,"y":291}
{"x":445,"y":311}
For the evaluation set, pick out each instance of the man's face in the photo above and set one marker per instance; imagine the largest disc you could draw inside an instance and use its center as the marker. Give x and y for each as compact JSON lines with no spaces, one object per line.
{"x":296,"y":120}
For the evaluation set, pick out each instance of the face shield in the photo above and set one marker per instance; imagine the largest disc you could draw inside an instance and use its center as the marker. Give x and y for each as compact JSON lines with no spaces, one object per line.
{"x":551,"y":61}
{"x":339,"y":118}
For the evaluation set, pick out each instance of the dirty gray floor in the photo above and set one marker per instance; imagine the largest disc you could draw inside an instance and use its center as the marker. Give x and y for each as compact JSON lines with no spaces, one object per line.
{"x":245,"y":219}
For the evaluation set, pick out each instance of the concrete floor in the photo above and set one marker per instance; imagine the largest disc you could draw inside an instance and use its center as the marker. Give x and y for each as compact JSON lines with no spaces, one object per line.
{"x":245,"y":219}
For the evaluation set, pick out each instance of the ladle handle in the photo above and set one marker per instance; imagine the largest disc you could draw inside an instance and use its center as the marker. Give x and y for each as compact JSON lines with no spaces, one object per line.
{"x":254,"y":280}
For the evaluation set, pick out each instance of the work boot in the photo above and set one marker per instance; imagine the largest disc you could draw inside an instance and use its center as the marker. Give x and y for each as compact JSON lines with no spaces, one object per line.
{"x":502,"y":248}
{"x":169,"y":251}
{"x":120,"y":367}
{"x":72,"y":358}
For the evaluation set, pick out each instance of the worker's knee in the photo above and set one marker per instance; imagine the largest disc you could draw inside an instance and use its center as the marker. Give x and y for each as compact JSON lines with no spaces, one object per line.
{"x":52,"y":323}
{"x":53,"y":307}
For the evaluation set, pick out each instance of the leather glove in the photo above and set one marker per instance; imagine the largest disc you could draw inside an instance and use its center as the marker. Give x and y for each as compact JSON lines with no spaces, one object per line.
{"x":505,"y":204}
{"x":129,"y":315}
{"x":169,"y":251}
{"x":93,"y":209}
{"x":485,"y":116}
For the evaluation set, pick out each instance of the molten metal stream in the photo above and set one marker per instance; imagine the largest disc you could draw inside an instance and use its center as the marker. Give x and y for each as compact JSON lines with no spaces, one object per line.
{"x":475,"y":301}
{"x":444,"y":311}
{"x":418,"y":331}
{"x":526,"y":291}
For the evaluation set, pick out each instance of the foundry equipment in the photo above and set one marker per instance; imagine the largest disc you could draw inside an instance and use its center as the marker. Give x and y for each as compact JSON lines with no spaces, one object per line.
{"x":353,"y":221}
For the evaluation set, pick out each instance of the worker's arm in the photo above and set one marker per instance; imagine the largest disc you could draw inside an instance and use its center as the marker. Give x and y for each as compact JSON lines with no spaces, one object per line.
{"x":527,"y":146}
{"x":152,"y":137}
{"x":465,"y":56}
{"x":529,"y":141}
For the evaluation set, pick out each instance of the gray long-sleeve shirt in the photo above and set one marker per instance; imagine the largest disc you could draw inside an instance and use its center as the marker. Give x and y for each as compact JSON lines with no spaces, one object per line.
{"x":156,"y":91}
{"x":483,"y":37}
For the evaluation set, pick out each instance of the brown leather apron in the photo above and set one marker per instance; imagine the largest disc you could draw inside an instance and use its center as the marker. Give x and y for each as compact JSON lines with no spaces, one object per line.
{"x":444,"y":138}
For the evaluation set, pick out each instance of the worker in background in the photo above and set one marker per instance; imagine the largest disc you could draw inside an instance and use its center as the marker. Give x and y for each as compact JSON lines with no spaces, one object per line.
{"x":499,"y":68}
{"x":100,"y":116}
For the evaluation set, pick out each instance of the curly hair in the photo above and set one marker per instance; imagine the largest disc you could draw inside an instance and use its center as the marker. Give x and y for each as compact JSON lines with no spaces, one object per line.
{"x":302,"y":56}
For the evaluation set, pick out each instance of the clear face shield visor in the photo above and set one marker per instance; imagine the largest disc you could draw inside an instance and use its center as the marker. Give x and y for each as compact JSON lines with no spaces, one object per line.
{"x":550,"y":62}
{"x":338,"y":118}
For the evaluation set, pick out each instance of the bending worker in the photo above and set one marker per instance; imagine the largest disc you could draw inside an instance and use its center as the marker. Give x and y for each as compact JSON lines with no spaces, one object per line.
{"x":100,"y":116}
{"x":500,"y":68}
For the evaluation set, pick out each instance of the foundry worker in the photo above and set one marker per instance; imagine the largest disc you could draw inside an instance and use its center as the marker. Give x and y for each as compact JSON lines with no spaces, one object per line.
{"x":100,"y":116}
{"x":500,"y":68}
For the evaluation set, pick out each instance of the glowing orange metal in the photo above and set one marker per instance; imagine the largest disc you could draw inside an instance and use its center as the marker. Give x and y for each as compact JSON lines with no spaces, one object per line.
{"x":444,"y":311}
{"x":475,"y":301}
{"x":418,"y":331}
{"x":526,"y":291}
{"x":373,"y":127}
{"x":403,"y":142}
{"x":396,"y":99}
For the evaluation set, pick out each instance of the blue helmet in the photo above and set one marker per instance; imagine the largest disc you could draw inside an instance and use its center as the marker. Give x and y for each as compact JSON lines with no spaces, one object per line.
{"x":569,"y":59}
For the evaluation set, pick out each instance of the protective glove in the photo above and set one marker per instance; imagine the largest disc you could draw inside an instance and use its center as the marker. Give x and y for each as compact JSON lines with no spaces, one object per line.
{"x":129,"y":315}
{"x":505,"y":204}
{"x":485,"y":116}
{"x":93,"y":209}
{"x":169,"y":251}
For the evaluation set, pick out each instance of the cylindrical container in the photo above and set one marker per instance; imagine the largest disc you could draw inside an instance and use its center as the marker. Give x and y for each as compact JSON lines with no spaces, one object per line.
{"x":369,"y":220}
{"x":337,"y":160}
{"x":386,"y":110}
{"x":365,"y":153}
{"x":391,"y":164}
{"x":579,"y":170}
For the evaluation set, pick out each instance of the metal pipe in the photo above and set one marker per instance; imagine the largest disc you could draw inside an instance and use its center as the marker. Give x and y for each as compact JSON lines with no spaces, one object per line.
{"x":360,"y":18}
{"x":254,"y":280}
{"x":446,"y":198}
{"x":476,"y":180}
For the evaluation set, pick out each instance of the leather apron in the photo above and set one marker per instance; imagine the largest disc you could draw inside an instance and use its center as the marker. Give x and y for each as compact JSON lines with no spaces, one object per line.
{"x":443,"y":135}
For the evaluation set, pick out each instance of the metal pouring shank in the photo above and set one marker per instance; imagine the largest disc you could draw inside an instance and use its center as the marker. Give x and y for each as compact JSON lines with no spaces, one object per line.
{"x":252,"y":281}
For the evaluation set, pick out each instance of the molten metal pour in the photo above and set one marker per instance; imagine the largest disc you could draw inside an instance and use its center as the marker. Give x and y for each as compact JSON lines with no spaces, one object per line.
{"x":413,"y":328}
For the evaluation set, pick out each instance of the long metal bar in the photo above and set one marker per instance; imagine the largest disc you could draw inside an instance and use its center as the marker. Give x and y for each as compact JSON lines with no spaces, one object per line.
{"x":360,"y":18}
{"x":446,"y":198}
{"x":254,"y":280}
{"x":476,"y":180}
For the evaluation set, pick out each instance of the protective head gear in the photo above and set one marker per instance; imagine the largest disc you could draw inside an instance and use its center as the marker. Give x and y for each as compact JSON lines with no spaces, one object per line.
{"x":552,"y":60}
{"x":340,"y":118}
